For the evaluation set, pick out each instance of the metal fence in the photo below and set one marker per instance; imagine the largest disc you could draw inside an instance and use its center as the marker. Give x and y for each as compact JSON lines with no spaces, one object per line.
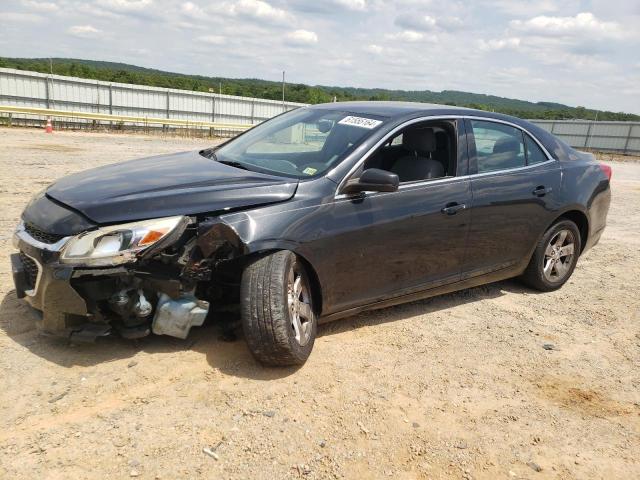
{"x":36,"y":90}
{"x":623,"y":137}
{"x":97,"y":102}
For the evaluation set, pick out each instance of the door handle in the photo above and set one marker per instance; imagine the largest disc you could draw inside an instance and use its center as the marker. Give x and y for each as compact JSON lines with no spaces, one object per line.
{"x":541,"y":191}
{"x":453,"y":208}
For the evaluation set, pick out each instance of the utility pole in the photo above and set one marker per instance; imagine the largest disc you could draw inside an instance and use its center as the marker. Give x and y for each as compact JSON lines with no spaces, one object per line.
{"x":283,"y":90}
{"x":220,"y":88}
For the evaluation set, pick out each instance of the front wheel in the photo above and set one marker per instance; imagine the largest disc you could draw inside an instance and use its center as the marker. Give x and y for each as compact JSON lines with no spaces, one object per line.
{"x":555,"y":257}
{"x":278,"y":318}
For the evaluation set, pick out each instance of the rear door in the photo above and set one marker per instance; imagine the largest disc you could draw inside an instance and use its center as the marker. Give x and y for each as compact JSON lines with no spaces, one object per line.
{"x":514,"y":186}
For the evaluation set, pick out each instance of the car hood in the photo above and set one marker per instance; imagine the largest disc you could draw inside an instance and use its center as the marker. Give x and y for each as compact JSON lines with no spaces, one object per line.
{"x":177,"y":184}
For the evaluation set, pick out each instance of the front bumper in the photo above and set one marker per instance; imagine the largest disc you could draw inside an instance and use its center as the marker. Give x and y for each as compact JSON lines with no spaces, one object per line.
{"x":45,"y":284}
{"x":83,"y":303}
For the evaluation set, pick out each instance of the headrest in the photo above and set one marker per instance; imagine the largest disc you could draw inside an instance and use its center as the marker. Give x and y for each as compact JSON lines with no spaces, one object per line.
{"x":506,"y":144}
{"x":442,"y":140}
{"x":419,"y":140}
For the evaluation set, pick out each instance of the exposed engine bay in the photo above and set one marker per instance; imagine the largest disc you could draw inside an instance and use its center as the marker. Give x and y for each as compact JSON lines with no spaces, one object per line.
{"x":166,"y":287}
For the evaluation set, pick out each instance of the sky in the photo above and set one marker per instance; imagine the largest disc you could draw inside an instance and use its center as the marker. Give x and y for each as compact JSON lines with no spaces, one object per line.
{"x":576,"y":52}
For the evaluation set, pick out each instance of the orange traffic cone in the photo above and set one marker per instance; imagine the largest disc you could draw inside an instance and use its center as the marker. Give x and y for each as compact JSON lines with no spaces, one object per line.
{"x":49,"y":127}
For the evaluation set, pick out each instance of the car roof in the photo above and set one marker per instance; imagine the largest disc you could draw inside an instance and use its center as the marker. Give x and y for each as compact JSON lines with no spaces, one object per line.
{"x":397,"y":110}
{"x":393,"y":109}
{"x":404,"y":110}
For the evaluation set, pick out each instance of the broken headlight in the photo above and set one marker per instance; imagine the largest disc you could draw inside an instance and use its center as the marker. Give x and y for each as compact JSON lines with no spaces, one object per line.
{"x":120,"y":244}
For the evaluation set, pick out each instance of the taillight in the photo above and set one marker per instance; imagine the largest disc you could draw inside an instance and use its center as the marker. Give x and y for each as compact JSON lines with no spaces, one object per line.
{"x":606,"y":169}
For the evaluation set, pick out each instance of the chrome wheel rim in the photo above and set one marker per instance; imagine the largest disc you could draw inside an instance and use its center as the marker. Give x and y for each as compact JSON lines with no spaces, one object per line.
{"x":558,"y":256}
{"x":300,"y":311}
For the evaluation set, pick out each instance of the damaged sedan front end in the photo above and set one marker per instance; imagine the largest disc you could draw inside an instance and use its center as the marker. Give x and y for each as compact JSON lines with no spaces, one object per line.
{"x":89,"y":274}
{"x":136,"y":278}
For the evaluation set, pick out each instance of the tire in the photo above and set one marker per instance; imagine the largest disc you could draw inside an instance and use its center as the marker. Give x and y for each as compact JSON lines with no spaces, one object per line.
{"x":552,"y":251}
{"x":268,"y":292}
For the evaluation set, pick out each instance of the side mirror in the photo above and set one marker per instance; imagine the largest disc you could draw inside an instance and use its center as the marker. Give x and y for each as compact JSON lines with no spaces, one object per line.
{"x":372,"y":180}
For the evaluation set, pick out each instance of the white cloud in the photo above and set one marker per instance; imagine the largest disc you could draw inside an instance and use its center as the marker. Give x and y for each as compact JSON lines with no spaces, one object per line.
{"x":450,"y":23}
{"x":302,"y":37}
{"x":570,"y":62}
{"x":40,"y":6}
{"x":353,"y":4}
{"x":407,"y":36}
{"x":583,"y":24}
{"x":375,"y":49}
{"x":126,"y":5}
{"x":336,"y":62}
{"x":84,"y":31}
{"x":259,"y":10}
{"x":428,"y":23}
{"x":329,"y":6}
{"x":19,"y":17}
{"x":416,"y":22}
{"x":499,"y":44}
{"x":193,"y":11}
{"x":212,"y":39}
{"x":530,"y":7}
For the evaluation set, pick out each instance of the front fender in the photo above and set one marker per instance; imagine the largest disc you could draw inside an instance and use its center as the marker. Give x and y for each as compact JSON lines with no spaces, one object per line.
{"x":240,"y":237}
{"x":219,"y":238}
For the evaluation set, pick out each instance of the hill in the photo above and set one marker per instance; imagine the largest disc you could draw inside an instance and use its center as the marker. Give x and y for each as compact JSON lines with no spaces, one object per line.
{"x":251,"y":87}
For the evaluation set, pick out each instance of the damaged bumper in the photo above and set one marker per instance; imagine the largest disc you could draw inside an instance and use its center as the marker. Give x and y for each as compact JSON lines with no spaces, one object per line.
{"x":87,"y":302}
{"x":44,"y":283}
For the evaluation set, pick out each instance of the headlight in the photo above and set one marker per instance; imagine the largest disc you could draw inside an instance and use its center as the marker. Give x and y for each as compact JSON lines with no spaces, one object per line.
{"x":119,"y":244}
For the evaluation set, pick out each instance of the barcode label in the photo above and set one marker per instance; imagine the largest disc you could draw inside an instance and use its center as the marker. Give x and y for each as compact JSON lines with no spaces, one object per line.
{"x":361,"y":122}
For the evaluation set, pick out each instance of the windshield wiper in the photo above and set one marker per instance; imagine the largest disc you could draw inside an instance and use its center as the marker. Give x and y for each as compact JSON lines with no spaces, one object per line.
{"x":231,"y":163}
{"x":211,"y":154}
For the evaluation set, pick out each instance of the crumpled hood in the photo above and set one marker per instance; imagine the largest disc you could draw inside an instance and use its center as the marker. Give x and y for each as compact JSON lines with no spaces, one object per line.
{"x":176,"y":184}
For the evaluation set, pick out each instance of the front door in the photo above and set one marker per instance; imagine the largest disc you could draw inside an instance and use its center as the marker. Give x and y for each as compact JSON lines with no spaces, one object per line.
{"x":387,"y":244}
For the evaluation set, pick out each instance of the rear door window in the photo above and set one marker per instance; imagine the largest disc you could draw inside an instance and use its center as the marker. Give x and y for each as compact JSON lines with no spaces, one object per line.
{"x":534,"y":152}
{"x":498,"y":146}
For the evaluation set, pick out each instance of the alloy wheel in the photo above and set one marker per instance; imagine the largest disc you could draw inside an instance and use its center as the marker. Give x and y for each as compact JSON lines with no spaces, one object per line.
{"x":558,"y":256}
{"x":300,"y":311}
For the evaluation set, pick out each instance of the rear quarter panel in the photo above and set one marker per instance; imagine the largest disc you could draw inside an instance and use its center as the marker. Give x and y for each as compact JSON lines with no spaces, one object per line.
{"x":586,"y":188}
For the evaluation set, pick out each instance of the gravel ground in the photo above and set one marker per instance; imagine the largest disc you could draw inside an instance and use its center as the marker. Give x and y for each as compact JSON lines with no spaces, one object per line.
{"x":459,"y":386}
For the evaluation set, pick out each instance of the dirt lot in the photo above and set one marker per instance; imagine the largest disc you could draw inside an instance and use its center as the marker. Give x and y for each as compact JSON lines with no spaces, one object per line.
{"x":458,"y":386}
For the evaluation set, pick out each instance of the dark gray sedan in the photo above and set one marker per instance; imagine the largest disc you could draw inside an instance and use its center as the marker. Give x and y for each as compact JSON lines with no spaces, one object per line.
{"x":317,"y":214}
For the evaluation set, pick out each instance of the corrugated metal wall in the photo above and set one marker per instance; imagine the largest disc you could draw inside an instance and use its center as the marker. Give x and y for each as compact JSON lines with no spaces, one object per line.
{"x":30,"y":89}
{"x":614,"y":136}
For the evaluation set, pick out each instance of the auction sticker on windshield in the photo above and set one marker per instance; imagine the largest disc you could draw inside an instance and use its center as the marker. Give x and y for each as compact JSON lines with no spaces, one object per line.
{"x":361,"y":122}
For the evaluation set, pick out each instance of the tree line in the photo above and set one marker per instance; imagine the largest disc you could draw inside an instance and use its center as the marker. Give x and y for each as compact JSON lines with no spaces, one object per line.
{"x":249,"y":87}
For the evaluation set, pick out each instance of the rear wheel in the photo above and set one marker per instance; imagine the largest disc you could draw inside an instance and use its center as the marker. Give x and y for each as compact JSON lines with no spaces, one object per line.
{"x":555,"y":257}
{"x":278,"y":319}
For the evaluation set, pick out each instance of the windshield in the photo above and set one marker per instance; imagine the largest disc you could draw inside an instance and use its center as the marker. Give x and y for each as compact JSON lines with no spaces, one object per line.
{"x":302,"y":143}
